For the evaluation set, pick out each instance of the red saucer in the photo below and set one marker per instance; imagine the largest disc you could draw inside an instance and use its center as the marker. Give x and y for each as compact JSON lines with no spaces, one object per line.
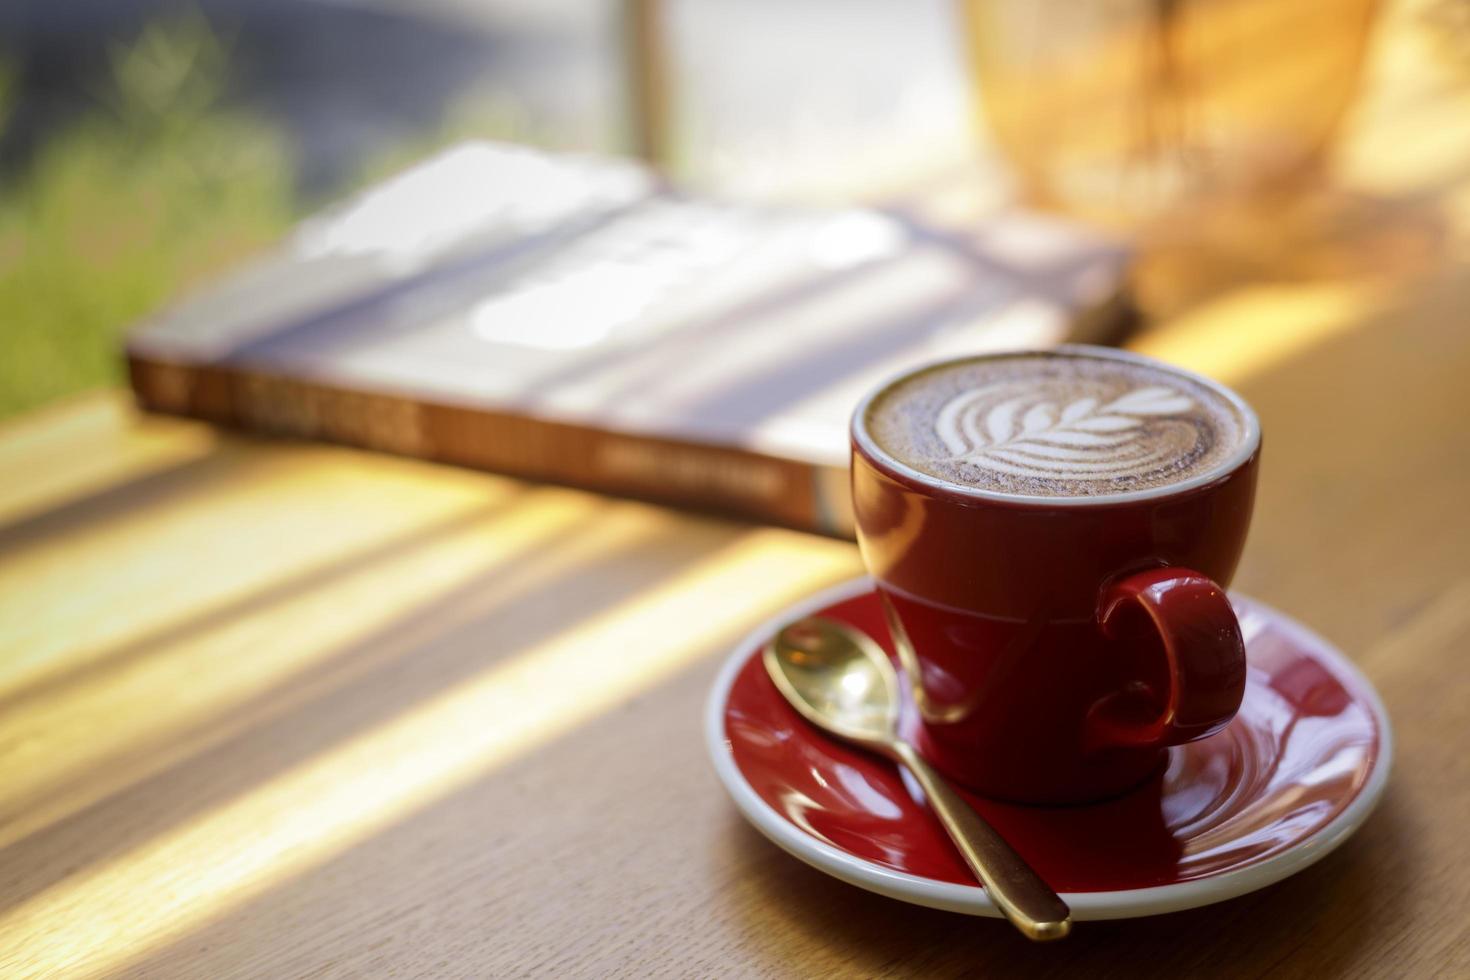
{"x":1295,"y":773}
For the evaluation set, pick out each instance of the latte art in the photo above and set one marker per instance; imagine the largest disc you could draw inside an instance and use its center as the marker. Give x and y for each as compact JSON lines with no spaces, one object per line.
{"x":1034,"y":432}
{"x":1057,"y":424}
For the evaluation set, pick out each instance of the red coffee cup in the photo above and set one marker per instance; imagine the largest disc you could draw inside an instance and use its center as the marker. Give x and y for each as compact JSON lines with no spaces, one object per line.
{"x":1056,"y":646}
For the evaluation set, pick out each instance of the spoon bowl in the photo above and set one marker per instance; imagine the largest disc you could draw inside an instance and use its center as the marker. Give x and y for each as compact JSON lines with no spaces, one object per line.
{"x":838,"y":679}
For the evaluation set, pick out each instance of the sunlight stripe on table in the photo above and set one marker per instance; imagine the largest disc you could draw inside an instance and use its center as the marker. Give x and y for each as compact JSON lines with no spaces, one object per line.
{"x":90,"y":924}
{"x":55,"y":764}
{"x":1256,"y":328}
{"x":98,"y":575}
{"x":84,"y":445}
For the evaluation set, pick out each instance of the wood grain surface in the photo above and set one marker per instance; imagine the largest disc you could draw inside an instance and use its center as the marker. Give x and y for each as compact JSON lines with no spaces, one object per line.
{"x":280,"y":710}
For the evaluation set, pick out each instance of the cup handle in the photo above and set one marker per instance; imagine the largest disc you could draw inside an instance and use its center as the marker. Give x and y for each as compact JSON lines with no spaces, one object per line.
{"x":1202,"y":643}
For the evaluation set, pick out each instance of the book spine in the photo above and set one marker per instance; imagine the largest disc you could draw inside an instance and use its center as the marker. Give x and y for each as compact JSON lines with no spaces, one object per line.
{"x":709,"y":478}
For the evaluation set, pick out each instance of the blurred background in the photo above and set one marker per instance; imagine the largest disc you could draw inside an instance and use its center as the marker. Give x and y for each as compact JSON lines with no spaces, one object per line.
{"x":146,"y":145}
{"x":283,"y":708}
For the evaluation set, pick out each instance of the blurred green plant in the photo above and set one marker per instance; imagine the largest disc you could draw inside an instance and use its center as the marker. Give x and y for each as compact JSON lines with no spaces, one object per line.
{"x":157,"y":187}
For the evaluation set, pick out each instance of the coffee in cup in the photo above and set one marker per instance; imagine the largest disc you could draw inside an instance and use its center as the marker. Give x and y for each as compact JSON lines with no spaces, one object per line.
{"x":1051,"y":424}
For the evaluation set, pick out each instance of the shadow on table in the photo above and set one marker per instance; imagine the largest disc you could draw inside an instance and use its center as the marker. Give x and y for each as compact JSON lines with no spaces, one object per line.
{"x":222,"y":466}
{"x":1322,"y":913}
{"x":352,"y":690}
{"x":522,"y":871}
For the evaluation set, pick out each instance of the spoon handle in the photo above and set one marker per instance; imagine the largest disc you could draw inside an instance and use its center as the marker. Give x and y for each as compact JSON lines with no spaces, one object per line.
{"x":1020,"y":893}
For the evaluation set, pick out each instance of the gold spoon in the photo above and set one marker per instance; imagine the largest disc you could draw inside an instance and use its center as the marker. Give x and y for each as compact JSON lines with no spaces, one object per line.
{"x":839,"y":680}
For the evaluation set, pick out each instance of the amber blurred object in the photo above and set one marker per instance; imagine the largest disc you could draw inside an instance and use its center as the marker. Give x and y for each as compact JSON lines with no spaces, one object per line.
{"x":1178,"y":121}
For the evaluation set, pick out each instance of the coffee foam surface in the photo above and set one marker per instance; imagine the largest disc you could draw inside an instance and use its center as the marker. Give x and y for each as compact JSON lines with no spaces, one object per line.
{"x":1056,"y":424}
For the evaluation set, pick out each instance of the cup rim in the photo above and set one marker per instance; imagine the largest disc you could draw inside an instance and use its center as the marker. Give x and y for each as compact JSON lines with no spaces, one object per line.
{"x":864,"y":442}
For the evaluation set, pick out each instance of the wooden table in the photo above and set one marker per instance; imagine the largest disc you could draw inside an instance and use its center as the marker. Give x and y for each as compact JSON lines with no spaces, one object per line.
{"x":283,"y":710}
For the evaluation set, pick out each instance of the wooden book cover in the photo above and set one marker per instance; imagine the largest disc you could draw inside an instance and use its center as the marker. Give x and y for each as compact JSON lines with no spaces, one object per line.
{"x":572,"y":319}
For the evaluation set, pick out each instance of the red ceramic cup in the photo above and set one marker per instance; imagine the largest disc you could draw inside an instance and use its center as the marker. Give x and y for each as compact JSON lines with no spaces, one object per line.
{"x":1056,"y":646}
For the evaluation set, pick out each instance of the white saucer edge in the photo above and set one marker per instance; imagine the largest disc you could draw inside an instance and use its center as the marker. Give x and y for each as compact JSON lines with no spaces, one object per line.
{"x":972,"y":899}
